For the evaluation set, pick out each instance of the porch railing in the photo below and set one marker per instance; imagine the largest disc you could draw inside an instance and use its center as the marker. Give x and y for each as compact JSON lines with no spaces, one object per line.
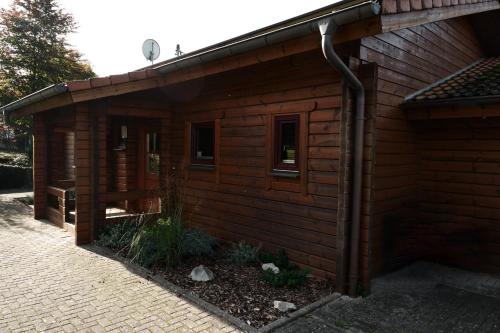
{"x":60,"y":204}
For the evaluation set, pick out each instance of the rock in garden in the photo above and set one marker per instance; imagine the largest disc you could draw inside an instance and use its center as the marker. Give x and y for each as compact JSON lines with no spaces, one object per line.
{"x":272,"y":267}
{"x":284,"y":306}
{"x":202,"y":274}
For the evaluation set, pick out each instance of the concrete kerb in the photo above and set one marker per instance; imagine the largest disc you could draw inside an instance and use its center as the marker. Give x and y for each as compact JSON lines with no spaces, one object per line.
{"x":299,"y":313}
{"x":238,"y":323}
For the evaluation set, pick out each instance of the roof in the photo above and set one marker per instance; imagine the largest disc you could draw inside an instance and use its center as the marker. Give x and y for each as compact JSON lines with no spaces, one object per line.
{"x":477,"y":83}
{"x":404,"y":6}
{"x":342,"y":12}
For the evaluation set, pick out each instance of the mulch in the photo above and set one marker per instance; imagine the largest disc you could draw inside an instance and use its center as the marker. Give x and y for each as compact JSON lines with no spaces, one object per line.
{"x":240,"y":289}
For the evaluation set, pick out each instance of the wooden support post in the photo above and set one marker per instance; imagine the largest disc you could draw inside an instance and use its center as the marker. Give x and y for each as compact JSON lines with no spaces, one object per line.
{"x":40,"y":165}
{"x":83,"y":233}
{"x":165,"y":162}
{"x":101,"y":176}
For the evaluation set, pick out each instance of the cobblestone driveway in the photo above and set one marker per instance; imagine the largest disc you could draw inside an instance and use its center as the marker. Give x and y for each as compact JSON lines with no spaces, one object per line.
{"x":49,"y":284}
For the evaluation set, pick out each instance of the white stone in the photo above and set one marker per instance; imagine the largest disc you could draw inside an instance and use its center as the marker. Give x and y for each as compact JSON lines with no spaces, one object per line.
{"x":272,"y":267}
{"x":202,"y":274}
{"x":284,"y":306}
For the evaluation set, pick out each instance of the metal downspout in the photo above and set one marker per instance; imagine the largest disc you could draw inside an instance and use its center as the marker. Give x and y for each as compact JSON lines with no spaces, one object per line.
{"x":327,"y":29}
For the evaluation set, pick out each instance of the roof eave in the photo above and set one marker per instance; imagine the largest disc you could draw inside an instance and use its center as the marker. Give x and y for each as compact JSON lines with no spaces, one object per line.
{"x":346,"y":12}
{"x":452,"y":102}
{"x":33,"y":98}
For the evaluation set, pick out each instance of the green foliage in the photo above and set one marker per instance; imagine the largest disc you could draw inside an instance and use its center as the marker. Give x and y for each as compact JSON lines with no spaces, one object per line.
{"x":15,"y":159}
{"x":342,"y":324}
{"x":287,"y":278}
{"x":243,"y":253}
{"x":266,"y":257}
{"x":162,"y":241}
{"x":118,"y":236}
{"x":197,"y":243}
{"x":14,"y":176}
{"x":158,"y":243}
{"x":280,"y":259}
{"x":290,"y":275}
{"x":34,"y":52}
{"x":362,"y":291}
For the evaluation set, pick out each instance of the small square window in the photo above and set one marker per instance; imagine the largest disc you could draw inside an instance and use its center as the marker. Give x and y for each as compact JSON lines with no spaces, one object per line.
{"x":202,"y":143}
{"x":286,"y":145}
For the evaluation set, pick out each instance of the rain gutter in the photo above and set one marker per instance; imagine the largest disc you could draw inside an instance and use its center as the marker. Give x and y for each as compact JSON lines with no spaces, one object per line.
{"x":344,"y":15}
{"x":327,"y":28}
{"x":33,"y":98}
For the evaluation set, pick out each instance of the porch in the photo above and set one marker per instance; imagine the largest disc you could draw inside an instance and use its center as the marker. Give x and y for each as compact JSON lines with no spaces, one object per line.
{"x":98,"y":163}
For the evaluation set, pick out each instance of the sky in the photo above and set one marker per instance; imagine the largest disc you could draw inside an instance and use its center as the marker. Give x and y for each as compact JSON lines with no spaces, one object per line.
{"x":111,"y":32}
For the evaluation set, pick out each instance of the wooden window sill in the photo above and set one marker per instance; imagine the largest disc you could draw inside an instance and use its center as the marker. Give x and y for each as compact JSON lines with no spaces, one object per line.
{"x":285,"y":173}
{"x":203,"y":167}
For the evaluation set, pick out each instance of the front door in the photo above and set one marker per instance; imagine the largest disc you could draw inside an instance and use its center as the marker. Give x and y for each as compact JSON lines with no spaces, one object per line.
{"x":149,"y":164}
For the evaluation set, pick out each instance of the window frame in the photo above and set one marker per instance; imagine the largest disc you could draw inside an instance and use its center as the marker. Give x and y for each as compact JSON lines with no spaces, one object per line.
{"x":278,"y":165}
{"x":194,"y":139}
{"x":156,"y":151}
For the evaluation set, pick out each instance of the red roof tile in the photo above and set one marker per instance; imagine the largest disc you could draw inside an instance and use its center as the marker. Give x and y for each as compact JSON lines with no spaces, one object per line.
{"x":481,"y":79}
{"x":111,"y":80}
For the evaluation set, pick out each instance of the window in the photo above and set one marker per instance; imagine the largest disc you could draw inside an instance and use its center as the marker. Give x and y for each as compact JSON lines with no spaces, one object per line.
{"x":202,"y":143}
{"x":153,"y":153}
{"x":286,"y":144}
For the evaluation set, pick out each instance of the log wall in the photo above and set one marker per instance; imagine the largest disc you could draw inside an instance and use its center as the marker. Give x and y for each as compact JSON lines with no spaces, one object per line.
{"x":239,"y":199}
{"x":408,"y":60}
{"x":459,"y":192}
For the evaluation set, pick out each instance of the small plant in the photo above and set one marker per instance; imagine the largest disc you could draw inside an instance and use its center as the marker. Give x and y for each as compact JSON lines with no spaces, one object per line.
{"x":266,"y":257}
{"x":340,"y":323}
{"x":290,"y":275}
{"x":118,"y":236}
{"x":287,"y":278}
{"x":29,"y":200}
{"x":197,"y":243}
{"x":362,"y":291}
{"x":243,"y":253}
{"x":157,"y":243}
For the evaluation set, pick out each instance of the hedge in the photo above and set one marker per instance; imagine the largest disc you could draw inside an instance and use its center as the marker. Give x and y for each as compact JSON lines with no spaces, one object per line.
{"x":15,"y":176}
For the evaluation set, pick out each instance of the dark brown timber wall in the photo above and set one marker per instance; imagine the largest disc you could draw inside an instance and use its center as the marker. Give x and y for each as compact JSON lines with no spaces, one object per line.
{"x":459,"y":197}
{"x":239,"y":199}
{"x":408,"y":60}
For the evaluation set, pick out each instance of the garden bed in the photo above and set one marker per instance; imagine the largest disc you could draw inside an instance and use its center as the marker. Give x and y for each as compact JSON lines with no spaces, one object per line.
{"x":239,"y":285}
{"x":241,"y":291}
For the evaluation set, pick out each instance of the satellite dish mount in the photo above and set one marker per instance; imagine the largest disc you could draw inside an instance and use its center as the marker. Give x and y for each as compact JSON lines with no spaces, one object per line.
{"x":151,"y":50}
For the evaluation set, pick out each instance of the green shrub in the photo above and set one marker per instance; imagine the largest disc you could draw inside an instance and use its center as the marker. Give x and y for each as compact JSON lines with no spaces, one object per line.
{"x":266,"y":257}
{"x":158,"y":243}
{"x":290,"y":275}
{"x":14,"y":159}
{"x":118,"y":236}
{"x":280,"y":259}
{"x":21,"y":160}
{"x":14,"y":176}
{"x":287,"y":278}
{"x":243,"y":253}
{"x":197,"y":243}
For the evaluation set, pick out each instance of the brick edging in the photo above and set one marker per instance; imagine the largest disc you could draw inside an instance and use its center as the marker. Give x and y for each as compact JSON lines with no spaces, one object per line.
{"x":149,"y":275}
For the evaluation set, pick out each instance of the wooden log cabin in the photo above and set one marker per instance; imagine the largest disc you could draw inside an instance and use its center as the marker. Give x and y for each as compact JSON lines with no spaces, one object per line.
{"x":267,"y":137}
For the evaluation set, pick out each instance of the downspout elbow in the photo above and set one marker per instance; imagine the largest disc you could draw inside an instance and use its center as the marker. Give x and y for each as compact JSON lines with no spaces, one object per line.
{"x":327,"y":30}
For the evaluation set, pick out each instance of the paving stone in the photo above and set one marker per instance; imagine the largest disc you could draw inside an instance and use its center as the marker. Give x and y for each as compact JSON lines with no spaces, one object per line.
{"x":49,"y":284}
{"x":421,"y":298}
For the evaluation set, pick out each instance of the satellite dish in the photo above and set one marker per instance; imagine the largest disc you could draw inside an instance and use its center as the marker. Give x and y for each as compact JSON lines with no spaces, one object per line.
{"x":151,"y":49}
